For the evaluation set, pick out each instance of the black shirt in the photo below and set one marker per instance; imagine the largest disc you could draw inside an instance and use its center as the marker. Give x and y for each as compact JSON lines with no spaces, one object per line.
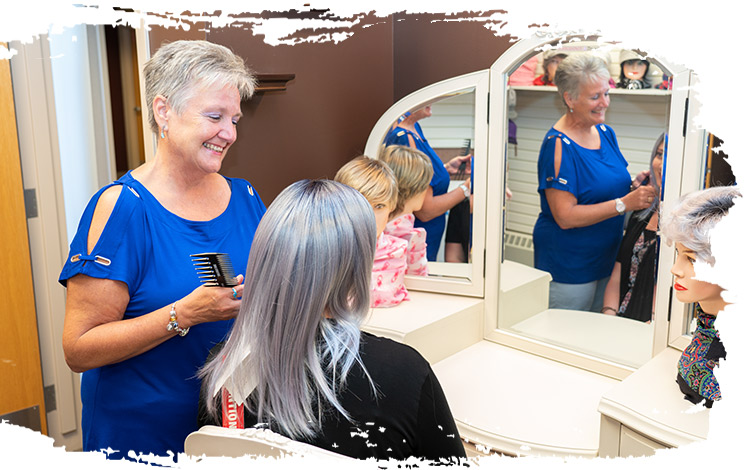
{"x":409,"y":417}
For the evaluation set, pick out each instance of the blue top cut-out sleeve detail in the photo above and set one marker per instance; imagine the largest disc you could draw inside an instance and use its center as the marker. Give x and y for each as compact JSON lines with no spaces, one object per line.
{"x":118,"y":242}
{"x":547,"y":176}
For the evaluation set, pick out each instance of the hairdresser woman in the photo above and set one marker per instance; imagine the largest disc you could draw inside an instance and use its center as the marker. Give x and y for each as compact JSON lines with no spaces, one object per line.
{"x":438,"y":200}
{"x":137,"y":322}
{"x":584,"y":189}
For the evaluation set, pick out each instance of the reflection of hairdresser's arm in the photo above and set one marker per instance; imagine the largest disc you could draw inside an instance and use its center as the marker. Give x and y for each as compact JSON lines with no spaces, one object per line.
{"x":613,"y":291}
{"x":568,"y":214}
{"x":434,"y":206}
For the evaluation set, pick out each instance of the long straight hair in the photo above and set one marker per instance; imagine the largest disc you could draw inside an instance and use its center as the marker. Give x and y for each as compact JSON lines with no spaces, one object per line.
{"x":306,"y":295}
{"x":657,"y":185}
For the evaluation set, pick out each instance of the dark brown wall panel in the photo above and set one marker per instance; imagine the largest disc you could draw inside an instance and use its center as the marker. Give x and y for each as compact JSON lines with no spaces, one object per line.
{"x":432,"y":47}
{"x":323,"y":118}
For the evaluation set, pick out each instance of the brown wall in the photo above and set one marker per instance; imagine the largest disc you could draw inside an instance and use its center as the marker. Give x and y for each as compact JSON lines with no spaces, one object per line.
{"x":432,"y":47}
{"x":323,"y":118}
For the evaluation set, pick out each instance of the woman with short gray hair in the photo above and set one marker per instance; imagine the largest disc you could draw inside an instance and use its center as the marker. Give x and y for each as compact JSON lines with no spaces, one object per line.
{"x":584,"y":186}
{"x":137,"y":322}
{"x":296,"y":360}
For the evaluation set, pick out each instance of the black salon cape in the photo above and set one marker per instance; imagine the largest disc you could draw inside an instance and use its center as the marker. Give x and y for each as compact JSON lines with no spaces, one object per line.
{"x":409,"y":417}
{"x":642,"y":295}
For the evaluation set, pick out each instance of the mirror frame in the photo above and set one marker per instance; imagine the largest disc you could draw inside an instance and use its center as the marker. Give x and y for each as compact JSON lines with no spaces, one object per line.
{"x":683,"y":159}
{"x":479,"y":81}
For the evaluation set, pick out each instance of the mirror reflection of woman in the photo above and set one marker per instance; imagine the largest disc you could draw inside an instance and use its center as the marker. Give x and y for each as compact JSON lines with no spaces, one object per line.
{"x":584,"y":188}
{"x":438,"y":200}
{"x":630,"y":291}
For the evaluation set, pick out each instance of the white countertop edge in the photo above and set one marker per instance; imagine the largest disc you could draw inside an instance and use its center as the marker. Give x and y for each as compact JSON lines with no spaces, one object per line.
{"x":499,"y":443}
{"x":650,"y":427}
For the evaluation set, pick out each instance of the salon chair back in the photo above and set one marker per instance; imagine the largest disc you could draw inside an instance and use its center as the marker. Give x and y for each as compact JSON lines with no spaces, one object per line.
{"x":215,"y":441}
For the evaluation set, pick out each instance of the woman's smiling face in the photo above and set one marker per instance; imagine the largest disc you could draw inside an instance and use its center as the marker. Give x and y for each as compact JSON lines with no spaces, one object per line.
{"x":592,"y":101}
{"x":206,"y":128}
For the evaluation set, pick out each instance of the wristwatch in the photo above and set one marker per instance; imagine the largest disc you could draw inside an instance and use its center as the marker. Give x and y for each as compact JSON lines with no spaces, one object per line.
{"x":620,"y":206}
{"x":466,"y":189}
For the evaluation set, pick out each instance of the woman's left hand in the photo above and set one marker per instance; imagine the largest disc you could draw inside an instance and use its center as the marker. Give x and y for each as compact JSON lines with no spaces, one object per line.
{"x":640,"y":178}
{"x":453,"y":166}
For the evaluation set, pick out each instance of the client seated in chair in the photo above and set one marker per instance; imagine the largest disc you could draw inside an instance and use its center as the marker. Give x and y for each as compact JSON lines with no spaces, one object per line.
{"x":296,"y":361}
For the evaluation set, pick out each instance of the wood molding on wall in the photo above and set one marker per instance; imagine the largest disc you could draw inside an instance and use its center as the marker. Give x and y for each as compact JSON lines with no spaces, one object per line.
{"x":21,"y":385}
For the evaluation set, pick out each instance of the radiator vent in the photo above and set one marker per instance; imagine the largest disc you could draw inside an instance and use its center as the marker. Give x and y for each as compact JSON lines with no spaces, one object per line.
{"x":518,"y":247}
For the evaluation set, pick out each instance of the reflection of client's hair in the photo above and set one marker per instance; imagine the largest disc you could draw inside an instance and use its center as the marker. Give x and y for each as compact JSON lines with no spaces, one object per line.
{"x":653,"y":178}
{"x":413,"y":170}
{"x":307,"y":292}
{"x":370,"y":177}
{"x":691,"y":220}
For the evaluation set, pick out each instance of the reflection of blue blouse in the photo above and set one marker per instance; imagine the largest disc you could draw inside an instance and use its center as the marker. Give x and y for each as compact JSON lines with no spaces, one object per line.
{"x":583,"y":254}
{"x":440,"y":183}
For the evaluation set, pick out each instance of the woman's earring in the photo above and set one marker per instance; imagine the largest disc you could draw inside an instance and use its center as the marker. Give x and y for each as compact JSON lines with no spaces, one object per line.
{"x":571,"y":110}
{"x":163,"y":132}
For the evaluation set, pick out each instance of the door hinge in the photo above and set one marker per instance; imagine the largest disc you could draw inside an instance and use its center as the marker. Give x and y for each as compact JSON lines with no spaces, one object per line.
{"x":32,"y":208}
{"x":50,"y":398}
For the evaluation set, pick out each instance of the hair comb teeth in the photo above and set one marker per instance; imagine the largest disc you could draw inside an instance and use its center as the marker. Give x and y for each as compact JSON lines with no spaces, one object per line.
{"x":214,"y":269}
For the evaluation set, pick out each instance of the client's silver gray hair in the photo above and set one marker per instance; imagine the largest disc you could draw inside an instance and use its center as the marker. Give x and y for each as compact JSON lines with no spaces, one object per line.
{"x":653,"y":178}
{"x":577,"y":70}
{"x":307,"y":291}
{"x":178,"y":68}
{"x":691,"y":220}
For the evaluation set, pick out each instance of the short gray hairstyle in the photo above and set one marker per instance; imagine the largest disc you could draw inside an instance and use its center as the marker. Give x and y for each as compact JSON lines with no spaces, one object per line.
{"x":691,"y":220}
{"x":577,"y":70}
{"x":307,"y":292}
{"x":177,"y":68}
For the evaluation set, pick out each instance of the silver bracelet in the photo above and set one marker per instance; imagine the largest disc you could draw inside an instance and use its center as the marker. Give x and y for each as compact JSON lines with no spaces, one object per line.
{"x":173,"y":324}
{"x":466,"y":190}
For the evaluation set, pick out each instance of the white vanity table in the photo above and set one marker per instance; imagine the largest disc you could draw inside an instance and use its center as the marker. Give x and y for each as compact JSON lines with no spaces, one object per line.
{"x":520,"y":378}
{"x":647,"y":411}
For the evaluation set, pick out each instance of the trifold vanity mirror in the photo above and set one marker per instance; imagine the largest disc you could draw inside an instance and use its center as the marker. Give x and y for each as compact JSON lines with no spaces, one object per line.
{"x":505,"y":124}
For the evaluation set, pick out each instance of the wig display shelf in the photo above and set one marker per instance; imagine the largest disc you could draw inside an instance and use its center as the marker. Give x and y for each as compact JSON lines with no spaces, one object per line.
{"x":436,"y":325}
{"x":647,"y":411}
{"x":517,"y":403}
{"x":612,"y":91}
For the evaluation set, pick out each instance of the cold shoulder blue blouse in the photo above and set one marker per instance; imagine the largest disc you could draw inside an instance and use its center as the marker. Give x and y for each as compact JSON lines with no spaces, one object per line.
{"x":148,"y":403}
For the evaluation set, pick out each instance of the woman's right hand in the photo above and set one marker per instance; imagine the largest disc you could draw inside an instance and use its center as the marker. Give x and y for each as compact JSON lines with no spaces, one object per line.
{"x":640,"y":198}
{"x":208,"y":304}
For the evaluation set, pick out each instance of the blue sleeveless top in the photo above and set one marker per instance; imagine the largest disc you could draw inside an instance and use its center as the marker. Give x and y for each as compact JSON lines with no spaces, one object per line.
{"x":148,"y":403}
{"x":583,"y":254}
{"x":440,"y":183}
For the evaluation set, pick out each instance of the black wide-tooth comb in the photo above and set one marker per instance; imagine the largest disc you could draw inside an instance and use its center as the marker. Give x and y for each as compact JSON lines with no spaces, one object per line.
{"x":214,"y":269}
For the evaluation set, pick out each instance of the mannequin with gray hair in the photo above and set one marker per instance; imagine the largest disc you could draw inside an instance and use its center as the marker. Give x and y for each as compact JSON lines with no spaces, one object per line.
{"x":296,"y":359}
{"x":689,"y":225}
